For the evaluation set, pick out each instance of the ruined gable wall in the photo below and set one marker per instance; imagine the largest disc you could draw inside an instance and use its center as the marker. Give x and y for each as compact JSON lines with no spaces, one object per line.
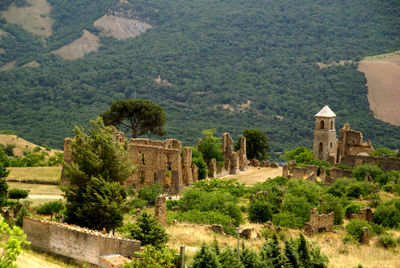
{"x":351,"y":143}
{"x":80,"y":244}
{"x":318,"y":223}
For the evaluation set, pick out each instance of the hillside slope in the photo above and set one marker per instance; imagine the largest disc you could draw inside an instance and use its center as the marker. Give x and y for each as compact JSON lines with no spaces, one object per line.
{"x":216,"y":55}
{"x":22,"y":145}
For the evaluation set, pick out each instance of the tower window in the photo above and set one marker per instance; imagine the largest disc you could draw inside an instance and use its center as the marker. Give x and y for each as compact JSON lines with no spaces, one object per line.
{"x":321,"y":147}
{"x":331,"y":125}
{"x":331,"y":144}
{"x":322,"y":124}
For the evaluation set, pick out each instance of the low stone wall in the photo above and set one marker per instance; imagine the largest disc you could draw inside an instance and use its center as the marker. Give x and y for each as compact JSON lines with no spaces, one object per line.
{"x":385,"y":163}
{"x":319,"y":223}
{"x":80,"y":244}
{"x":336,"y":173}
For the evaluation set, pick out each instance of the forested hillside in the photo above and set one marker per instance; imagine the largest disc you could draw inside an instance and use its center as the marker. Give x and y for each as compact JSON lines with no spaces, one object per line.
{"x":228,"y":65}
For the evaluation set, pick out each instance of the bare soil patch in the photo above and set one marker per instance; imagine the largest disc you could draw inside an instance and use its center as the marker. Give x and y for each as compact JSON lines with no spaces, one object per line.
{"x":255,"y":174}
{"x":33,"y":17}
{"x":8,"y":65}
{"x":82,"y":46}
{"x":22,"y":145}
{"x":383,"y":81}
{"x":2,"y":33}
{"x":121,"y":28}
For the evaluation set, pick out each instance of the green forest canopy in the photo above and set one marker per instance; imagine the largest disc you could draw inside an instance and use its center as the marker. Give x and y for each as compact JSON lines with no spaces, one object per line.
{"x":214,"y":53}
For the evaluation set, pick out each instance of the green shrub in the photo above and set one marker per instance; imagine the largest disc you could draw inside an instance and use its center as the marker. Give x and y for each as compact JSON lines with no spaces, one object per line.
{"x":338,"y":188}
{"x":355,"y":228}
{"x":231,"y":186}
{"x":147,"y":230}
{"x":330,"y":203}
{"x":288,"y":219}
{"x":150,"y":193}
{"x":359,"y":172}
{"x":391,"y":177}
{"x":360,"y":188}
{"x":388,"y":214}
{"x":173,"y":203}
{"x":387,"y":241}
{"x":138,"y":203}
{"x":197,"y":159}
{"x":20,"y":216}
{"x":297,"y":206}
{"x":260,"y":211}
{"x":353,"y":208}
{"x":17,"y":193}
{"x":50,"y":208}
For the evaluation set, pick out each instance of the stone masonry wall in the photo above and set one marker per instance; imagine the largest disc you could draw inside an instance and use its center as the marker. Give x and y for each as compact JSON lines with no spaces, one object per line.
{"x":385,"y":163}
{"x":80,"y":244}
{"x":319,"y":223}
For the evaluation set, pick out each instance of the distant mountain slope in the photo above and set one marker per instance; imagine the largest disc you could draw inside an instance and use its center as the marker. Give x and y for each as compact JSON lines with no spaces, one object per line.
{"x":229,"y":65}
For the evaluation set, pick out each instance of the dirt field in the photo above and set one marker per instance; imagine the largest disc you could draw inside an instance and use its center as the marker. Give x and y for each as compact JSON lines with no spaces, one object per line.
{"x":254,"y":175}
{"x":22,"y":145}
{"x":86,"y":44}
{"x":121,"y":28}
{"x":34,"y":17}
{"x":35,"y":173}
{"x":383,"y":81}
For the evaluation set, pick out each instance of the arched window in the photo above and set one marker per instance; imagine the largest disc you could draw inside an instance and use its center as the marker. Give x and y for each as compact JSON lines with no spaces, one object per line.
{"x":331,"y":125}
{"x":321,"y":147}
{"x":322,"y":124}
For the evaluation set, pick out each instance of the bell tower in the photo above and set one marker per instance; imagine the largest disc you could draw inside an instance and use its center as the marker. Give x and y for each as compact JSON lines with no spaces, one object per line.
{"x":325,"y":142}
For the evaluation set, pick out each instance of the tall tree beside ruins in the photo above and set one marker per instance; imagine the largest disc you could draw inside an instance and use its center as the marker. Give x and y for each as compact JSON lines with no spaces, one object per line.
{"x":257,"y":145}
{"x":210,"y":147}
{"x":141,"y":116}
{"x":100,"y":165}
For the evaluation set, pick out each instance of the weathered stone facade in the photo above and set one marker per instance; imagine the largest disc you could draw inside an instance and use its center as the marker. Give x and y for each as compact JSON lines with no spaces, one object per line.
{"x":81,"y":244}
{"x":385,"y":163}
{"x":156,"y":161}
{"x":319,"y":223}
{"x":364,"y":214}
{"x":234,"y":162}
{"x":212,"y":168}
{"x":351,"y":143}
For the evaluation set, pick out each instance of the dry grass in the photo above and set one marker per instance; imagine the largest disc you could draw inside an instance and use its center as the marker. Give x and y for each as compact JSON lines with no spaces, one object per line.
{"x":33,"y":17}
{"x":254,"y":175}
{"x":383,"y":81}
{"x":35,"y":173}
{"x":33,"y":259}
{"x":37,"y":189}
{"x":86,"y":44}
{"x":22,"y":145}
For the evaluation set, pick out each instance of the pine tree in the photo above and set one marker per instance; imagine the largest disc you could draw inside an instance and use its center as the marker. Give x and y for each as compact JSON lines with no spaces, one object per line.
{"x":149,"y":231}
{"x":228,"y":258}
{"x":271,"y":253}
{"x":215,"y":246}
{"x":304,"y":255}
{"x":205,"y":258}
{"x":249,"y":258}
{"x":291,"y":257}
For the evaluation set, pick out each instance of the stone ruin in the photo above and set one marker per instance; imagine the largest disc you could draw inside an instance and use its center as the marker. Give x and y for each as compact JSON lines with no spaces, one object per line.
{"x":156,"y":161}
{"x":161,"y":210}
{"x":364,"y":214}
{"x":234,"y":162}
{"x":319,"y":223}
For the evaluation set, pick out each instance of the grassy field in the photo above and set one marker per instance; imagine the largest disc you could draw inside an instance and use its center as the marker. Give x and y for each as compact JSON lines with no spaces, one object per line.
{"x":35,"y":173}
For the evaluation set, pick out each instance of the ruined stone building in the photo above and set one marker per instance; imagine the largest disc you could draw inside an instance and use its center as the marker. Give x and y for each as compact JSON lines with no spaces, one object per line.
{"x":156,"y":161}
{"x":234,"y":162}
{"x":328,"y":148}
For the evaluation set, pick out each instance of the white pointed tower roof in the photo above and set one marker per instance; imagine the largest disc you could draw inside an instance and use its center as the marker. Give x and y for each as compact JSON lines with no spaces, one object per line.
{"x":325,"y":112}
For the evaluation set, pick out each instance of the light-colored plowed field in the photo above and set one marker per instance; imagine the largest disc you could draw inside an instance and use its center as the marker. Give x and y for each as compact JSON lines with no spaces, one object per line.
{"x":254,"y":175}
{"x":383,"y":81}
{"x":82,"y":46}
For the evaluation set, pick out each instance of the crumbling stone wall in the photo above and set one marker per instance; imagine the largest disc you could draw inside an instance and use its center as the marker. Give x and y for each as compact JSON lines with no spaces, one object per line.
{"x":364,"y":214}
{"x":187,"y":173}
{"x":319,"y":223}
{"x":351,"y":143}
{"x":227,"y":149}
{"x":385,"y":163}
{"x":234,"y":162}
{"x":242,"y":155}
{"x":80,"y":244}
{"x":67,"y":158}
{"x":336,"y":173}
{"x":212,"y":168}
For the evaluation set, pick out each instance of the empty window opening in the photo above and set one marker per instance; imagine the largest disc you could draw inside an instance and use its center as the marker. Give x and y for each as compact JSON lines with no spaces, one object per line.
{"x":331,"y":145}
{"x":321,"y":147}
{"x":143,"y":159}
{"x":322,"y":124}
{"x":331,"y":125}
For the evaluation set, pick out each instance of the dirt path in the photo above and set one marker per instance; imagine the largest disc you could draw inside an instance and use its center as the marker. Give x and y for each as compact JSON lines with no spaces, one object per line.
{"x":254,"y":175}
{"x":28,"y":260}
{"x":383,"y":81}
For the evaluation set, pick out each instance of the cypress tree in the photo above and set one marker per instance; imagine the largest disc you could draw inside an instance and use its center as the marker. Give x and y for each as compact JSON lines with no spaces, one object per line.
{"x":271,"y":253}
{"x":228,"y":258}
{"x":291,"y":257}
{"x":205,"y":258}
{"x":249,"y":258}
{"x":302,"y":250}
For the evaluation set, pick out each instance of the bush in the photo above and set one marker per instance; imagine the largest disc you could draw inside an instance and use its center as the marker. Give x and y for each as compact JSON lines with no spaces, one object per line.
{"x":288,"y":219}
{"x":17,"y":194}
{"x":387,"y":241}
{"x":50,"y":208}
{"x":360,"y":188}
{"x":150,"y":193}
{"x":231,"y":186}
{"x":197,"y":159}
{"x":353,"y":208}
{"x":339,"y":187}
{"x":260,"y":211}
{"x":359,"y":172}
{"x":330,"y":203}
{"x":388,"y":214}
{"x":20,"y":216}
{"x":138,"y":203}
{"x":173,"y":203}
{"x":297,"y":206}
{"x":391,"y":177}
{"x":355,"y":228}
{"x":154,"y":257}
